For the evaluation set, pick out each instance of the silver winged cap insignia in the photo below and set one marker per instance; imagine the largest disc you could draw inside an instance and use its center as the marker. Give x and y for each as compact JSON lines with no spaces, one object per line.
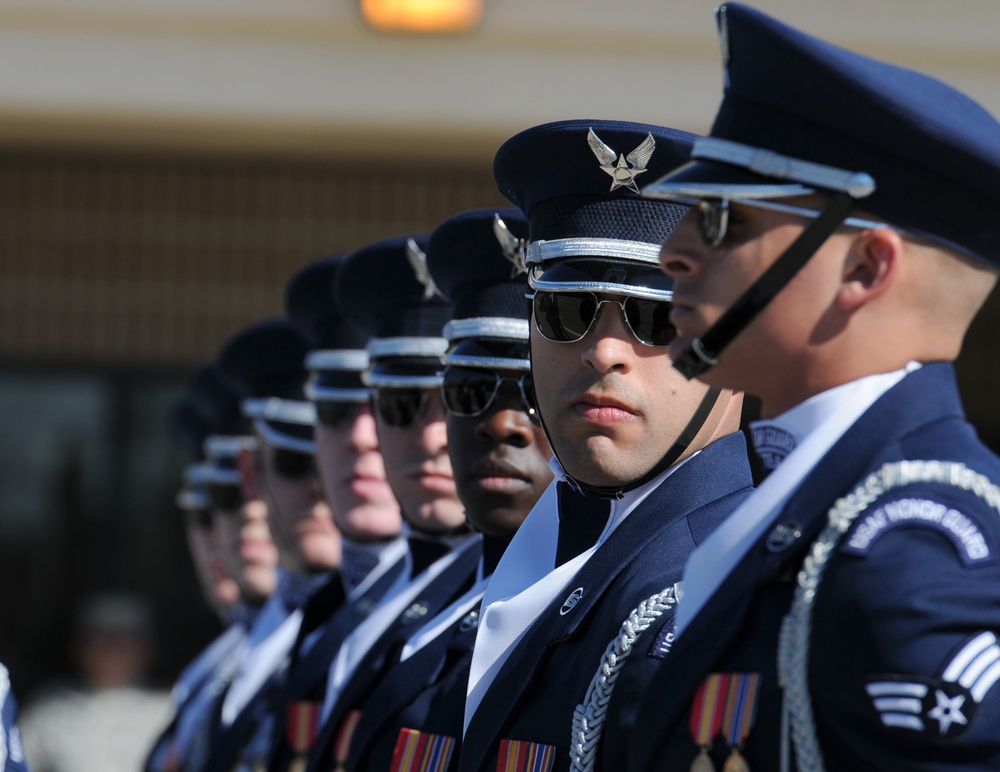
{"x":511,"y":246}
{"x":622,"y":169}
{"x":418,"y":262}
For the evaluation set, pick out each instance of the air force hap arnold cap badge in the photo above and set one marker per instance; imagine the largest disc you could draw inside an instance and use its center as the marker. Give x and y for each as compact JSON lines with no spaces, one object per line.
{"x":578,"y":184}
{"x":337,"y":355}
{"x":386,"y":289}
{"x":477,"y":260}
{"x":802,"y":116}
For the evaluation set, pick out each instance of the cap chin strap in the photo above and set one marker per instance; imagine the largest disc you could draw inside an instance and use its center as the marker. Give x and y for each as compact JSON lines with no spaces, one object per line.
{"x":675,"y":451}
{"x":703,"y":353}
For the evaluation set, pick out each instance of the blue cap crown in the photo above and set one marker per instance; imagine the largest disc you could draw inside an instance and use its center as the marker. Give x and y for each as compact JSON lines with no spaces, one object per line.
{"x":265,"y":363}
{"x":934,"y":154}
{"x":477,"y":259}
{"x":311,"y":306}
{"x":337,"y":357}
{"x":578,"y":183}
{"x":387,"y":290}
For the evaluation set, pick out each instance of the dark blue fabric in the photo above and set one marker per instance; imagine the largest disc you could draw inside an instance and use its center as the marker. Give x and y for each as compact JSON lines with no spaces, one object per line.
{"x":933,"y":152}
{"x":266,"y":359}
{"x":187,"y":427}
{"x":216,"y":402}
{"x":377,"y":288}
{"x":425,"y":693}
{"x":447,"y":587}
{"x":468,"y":264}
{"x":553,"y":176}
{"x":903,"y":610}
{"x":307,"y":673}
{"x":312,"y":307}
{"x":533,"y":696}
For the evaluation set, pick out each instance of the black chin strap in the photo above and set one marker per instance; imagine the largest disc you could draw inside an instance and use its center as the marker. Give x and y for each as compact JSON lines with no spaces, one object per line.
{"x":703,"y":352}
{"x":675,"y":451}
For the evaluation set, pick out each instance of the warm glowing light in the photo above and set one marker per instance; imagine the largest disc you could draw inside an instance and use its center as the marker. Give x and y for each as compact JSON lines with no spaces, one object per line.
{"x":422,"y":16}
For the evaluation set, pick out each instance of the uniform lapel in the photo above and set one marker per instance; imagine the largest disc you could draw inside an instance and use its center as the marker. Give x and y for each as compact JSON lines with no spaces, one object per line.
{"x":926,"y":395}
{"x":687,"y":489}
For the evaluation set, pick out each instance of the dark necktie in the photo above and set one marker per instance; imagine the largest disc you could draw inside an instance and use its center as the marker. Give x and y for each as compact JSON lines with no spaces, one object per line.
{"x":581,"y":520}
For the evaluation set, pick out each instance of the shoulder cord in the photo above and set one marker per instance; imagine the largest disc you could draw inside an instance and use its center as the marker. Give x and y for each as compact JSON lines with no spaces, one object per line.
{"x":589,"y":716}
{"x":793,"y":645}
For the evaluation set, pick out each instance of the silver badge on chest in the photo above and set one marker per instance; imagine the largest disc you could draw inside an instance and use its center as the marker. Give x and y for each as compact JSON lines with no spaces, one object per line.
{"x":570,"y":603}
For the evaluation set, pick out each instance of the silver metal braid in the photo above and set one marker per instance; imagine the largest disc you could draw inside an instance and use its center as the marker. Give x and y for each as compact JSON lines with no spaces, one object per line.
{"x":590,"y":715}
{"x":793,"y":646}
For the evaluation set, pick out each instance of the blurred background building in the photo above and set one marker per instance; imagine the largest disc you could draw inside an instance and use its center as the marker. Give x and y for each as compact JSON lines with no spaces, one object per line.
{"x":166,"y":165}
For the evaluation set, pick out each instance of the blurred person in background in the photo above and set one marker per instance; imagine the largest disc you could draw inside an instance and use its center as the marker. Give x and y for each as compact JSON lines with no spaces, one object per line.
{"x":106,"y":720}
{"x":190,"y":429}
{"x":265,"y":364}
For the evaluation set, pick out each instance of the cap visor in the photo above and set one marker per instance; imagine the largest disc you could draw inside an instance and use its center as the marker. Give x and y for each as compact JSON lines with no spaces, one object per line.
{"x":706,"y":179}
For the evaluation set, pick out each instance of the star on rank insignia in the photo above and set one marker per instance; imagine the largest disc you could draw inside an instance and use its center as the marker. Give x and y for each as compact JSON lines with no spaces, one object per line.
{"x":942,"y":707}
{"x":417,"y":259}
{"x":511,"y":246}
{"x":623,"y":169}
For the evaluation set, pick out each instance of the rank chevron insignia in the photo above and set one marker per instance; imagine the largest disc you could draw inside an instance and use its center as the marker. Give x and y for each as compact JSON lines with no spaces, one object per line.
{"x":511,"y":246}
{"x":622,"y":168}
{"x":418,"y":262}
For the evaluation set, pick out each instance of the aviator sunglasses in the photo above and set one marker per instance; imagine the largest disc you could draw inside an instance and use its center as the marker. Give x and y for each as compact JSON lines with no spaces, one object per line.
{"x":566,"y":317}
{"x":337,"y":415}
{"x":713,"y":217}
{"x":401,"y":407}
{"x":468,"y":392}
{"x":292,"y":464}
{"x":226,"y":497}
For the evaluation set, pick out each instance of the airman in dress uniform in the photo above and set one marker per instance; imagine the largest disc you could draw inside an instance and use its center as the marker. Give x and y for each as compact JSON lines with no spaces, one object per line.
{"x":236,"y":514}
{"x":354,"y":481}
{"x":265,"y":362}
{"x":499,"y":455}
{"x":843,"y":238}
{"x":647,"y":463}
{"x":220,"y":591}
{"x":388,"y":290}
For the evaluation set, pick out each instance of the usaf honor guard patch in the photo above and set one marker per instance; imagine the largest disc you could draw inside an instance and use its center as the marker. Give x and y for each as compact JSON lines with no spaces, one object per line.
{"x":972,"y":543}
{"x":944,"y":707}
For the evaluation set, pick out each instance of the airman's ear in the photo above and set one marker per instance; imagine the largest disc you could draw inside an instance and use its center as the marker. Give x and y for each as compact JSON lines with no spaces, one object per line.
{"x":870,"y":268}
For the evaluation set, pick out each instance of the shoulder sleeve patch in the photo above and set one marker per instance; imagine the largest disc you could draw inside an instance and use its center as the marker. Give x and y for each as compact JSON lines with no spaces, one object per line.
{"x":972,"y":542}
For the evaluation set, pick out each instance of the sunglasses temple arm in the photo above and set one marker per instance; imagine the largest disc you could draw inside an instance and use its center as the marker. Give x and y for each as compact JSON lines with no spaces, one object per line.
{"x":703,"y":353}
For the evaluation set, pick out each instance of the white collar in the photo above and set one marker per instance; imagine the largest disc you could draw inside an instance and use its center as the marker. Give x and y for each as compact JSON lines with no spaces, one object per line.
{"x":822,"y":419}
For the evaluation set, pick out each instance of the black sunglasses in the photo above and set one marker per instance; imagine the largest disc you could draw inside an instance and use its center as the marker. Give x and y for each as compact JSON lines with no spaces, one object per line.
{"x":401,"y":407}
{"x":225,"y":496}
{"x":713,"y":217}
{"x":566,"y":317}
{"x":200,"y":518}
{"x":291,"y":464}
{"x":337,"y":415}
{"x":468,"y":392}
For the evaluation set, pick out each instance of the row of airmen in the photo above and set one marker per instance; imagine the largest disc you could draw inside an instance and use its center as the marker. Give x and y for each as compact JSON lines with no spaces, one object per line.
{"x":449,"y":597}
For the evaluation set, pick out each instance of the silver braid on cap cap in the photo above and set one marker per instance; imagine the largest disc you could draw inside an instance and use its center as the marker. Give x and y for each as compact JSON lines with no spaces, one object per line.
{"x":590,"y":715}
{"x":793,"y":644}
